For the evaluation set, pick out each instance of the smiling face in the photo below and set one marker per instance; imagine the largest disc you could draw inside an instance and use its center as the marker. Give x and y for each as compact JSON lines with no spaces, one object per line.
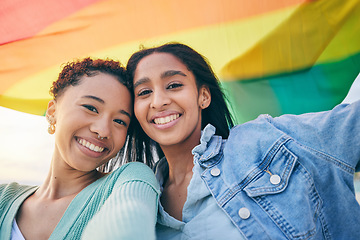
{"x":168,"y":102}
{"x":98,"y":105}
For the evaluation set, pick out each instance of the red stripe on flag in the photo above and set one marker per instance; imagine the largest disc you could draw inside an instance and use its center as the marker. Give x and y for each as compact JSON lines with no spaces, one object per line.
{"x":21,"y":19}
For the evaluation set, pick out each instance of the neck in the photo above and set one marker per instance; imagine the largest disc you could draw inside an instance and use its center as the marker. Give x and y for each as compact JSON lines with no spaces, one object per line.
{"x":180,"y":165}
{"x":180,"y":159}
{"x":61,"y":182}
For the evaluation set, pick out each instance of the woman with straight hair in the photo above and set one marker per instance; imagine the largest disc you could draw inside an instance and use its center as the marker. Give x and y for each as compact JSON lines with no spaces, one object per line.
{"x":289,"y":177}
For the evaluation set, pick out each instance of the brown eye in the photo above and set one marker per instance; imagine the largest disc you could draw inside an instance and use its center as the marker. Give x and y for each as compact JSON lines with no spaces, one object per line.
{"x":91,"y":108}
{"x":121,"y":122}
{"x":174,"y":85}
{"x":144,"y":92}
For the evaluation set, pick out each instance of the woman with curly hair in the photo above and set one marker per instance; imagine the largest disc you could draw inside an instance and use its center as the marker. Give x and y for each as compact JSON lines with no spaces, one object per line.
{"x":90,"y":115}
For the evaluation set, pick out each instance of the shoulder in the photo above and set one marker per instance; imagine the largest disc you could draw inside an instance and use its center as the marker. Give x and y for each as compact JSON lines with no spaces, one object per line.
{"x":254,"y":129}
{"x":10,"y":192}
{"x":13,"y":189}
{"x":253,"y":140}
{"x":136,"y":171}
{"x":268,"y":127}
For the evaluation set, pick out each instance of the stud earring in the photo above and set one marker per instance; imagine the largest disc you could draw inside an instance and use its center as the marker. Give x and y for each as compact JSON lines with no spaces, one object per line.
{"x":100,"y":137}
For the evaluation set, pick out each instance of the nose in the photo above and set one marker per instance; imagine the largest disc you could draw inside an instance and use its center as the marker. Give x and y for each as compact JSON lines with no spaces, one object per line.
{"x":159,"y":99}
{"x":101,"y":127}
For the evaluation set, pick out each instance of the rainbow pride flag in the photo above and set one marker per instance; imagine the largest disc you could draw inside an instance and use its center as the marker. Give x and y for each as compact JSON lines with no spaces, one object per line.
{"x":272,"y":56}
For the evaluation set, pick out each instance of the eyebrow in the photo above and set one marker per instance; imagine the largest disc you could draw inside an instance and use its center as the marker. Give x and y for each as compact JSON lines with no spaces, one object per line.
{"x":125,"y":113}
{"x":165,"y":74}
{"x":102,"y":101}
{"x":93,"y":97}
{"x":141,"y":81}
{"x":171,"y":73}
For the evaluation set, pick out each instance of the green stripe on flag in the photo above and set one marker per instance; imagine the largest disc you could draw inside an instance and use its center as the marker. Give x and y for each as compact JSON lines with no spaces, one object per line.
{"x":315,"y":89}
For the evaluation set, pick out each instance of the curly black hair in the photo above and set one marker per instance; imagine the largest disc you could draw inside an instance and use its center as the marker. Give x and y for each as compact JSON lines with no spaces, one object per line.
{"x":73,"y":71}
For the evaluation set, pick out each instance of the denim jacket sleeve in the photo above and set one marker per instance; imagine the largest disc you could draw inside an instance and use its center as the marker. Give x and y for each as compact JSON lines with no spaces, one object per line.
{"x":335,"y":132}
{"x":292,"y":174}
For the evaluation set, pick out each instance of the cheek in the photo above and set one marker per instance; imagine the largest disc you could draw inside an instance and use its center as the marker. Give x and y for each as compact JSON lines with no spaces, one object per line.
{"x":120,"y":140}
{"x":122,"y":136}
{"x":139,"y":111}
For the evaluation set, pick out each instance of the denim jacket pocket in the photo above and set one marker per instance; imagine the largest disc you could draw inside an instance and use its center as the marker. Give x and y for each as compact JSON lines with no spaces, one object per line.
{"x":286,"y":193}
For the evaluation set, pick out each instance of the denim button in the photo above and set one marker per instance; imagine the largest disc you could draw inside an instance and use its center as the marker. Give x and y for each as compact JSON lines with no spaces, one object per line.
{"x":244,"y":213}
{"x":275,"y":179}
{"x":215,"y":172}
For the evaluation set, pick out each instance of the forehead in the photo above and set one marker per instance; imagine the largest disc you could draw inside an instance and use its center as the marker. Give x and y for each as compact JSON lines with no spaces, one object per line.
{"x":158,"y":63}
{"x":102,"y":85}
{"x":99,"y":82}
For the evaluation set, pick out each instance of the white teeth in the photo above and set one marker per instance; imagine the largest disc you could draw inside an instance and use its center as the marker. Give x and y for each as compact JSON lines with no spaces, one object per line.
{"x":166,"y":119}
{"x":90,"y":146}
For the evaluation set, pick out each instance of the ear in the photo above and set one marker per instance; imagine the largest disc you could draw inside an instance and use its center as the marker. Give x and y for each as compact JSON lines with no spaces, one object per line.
{"x":50,"y":112}
{"x":204,"y":97}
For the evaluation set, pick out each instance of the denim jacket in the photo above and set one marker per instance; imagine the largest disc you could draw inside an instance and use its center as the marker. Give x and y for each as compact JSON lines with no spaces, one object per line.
{"x":290,"y":177}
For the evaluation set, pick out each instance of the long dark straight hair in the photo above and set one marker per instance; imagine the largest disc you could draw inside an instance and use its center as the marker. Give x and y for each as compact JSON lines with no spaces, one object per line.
{"x":217,"y":114}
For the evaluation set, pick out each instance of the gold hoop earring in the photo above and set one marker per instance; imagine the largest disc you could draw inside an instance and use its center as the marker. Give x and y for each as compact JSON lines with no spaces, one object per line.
{"x":51,"y":128}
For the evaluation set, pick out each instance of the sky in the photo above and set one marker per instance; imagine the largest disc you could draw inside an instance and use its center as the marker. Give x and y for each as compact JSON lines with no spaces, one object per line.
{"x":26,"y":147}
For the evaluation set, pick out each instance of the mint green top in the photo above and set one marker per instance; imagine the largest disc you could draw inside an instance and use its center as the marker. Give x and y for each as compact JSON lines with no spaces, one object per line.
{"x":120,"y":205}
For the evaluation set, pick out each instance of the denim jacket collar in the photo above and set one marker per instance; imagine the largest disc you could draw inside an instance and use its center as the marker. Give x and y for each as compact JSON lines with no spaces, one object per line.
{"x":210,"y":146}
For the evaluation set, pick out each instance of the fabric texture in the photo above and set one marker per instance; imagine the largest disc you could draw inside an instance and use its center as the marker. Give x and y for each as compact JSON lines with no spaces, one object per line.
{"x":15,"y":232}
{"x":199,"y":212}
{"x":127,"y":197}
{"x":290,"y":177}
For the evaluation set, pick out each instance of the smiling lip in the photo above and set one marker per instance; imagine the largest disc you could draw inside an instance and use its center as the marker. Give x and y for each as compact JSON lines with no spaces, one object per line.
{"x":90,"y":145}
